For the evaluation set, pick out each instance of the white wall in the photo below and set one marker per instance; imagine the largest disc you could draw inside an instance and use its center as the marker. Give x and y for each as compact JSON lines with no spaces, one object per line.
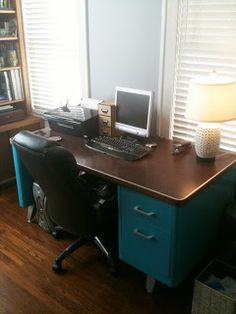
{"x":124,"y":46}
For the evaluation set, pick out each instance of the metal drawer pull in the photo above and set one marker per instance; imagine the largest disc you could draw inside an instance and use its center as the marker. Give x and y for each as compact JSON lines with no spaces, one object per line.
{"x":141,"y":211}
{"x":140,"y":234}
{"x":105,"y":122}
{"x":104,"y":110}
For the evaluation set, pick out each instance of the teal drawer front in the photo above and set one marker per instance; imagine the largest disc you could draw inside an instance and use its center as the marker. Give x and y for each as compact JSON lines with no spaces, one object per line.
{"x":144,"y":232}
{"x":146,"y":248}
{"x":136,"y":205}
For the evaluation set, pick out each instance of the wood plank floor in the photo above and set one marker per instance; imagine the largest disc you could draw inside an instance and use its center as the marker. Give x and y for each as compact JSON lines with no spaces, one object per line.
{"x":28,"y":285}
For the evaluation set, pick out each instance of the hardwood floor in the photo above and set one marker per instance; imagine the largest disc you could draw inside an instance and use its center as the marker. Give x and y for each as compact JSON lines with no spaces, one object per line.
{"x":28,"y":284}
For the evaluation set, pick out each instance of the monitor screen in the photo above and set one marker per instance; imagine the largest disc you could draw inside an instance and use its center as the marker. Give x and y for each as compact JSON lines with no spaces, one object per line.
{"x":133,"y":111}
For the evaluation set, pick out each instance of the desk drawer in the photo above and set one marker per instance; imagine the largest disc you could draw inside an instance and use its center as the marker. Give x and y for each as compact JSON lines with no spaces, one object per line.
{"x":104,"y":110}
{"x":103,"y":130}
{"x":105,"y":121}
{"x":145,"y":230}
{"x":146,"y":248}
{"x":137,"y":206}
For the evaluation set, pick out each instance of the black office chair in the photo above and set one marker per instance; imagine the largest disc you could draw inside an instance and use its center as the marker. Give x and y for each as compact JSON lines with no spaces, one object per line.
{"x":70,"y":201}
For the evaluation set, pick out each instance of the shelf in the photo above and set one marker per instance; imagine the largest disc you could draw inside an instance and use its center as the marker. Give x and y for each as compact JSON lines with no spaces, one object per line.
{"x":7,"y":11}
{"x":8,"y":38}
{"x":3,"y":103}
{"x":28,"y":120}
{"x":9,"y":68}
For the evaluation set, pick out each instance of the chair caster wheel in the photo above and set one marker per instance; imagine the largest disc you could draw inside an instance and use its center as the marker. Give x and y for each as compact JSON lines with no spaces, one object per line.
{"x":56,"y":234}
{"x":57,"y":268}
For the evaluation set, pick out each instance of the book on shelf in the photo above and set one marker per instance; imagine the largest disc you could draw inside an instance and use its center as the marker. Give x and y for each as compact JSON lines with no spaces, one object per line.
{"x":8,"y":90}
{"x":12,"y":88}
{"x":6,"y":108}
{"x":19,"y":83}
{"x":11,"y":85}
{"x":3,"y":88}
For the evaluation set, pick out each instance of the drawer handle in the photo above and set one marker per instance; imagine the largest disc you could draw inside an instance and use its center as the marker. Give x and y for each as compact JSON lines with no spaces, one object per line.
{"x":143,"y":212}
{"x":105,"y":122}
{"x":142,"y":235}
{"x":104,"y":110}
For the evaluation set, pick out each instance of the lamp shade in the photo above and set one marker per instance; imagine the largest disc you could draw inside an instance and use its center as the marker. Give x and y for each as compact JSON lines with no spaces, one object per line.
{"x":211,"y":99}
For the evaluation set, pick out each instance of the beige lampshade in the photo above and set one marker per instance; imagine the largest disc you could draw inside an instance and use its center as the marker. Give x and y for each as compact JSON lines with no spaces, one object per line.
{"x":211,"y":99}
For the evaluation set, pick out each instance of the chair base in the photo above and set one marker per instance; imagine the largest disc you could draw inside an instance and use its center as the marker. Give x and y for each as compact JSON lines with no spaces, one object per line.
{"x":57,"y":265}
{"x":111,"y":261}
{"x":103,"y":213}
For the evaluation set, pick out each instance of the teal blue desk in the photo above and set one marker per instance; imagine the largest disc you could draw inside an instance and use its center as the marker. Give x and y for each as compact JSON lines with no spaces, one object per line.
{"x":170,"y":206}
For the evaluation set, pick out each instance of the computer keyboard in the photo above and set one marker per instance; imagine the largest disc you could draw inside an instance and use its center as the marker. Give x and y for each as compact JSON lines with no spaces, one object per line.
{"x":120,"y":147}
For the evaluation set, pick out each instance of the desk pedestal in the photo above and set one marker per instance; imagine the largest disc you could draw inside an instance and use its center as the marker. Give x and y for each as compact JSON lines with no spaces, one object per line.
{"x":166,"y":241}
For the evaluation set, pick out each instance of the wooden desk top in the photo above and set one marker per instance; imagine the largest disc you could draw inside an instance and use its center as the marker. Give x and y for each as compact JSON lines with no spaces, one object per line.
{"x":173,"y":178}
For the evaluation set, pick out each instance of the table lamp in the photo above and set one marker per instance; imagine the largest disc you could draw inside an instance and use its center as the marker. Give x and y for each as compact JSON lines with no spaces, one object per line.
{"x":210,"y":100}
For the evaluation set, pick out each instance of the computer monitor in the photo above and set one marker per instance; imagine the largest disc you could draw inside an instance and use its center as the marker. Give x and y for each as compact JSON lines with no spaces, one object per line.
{"x":133,"y":111}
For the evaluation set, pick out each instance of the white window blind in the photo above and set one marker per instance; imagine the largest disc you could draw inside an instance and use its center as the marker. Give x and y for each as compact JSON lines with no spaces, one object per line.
{"x":53,"y":45}
{"x":206,"y":43}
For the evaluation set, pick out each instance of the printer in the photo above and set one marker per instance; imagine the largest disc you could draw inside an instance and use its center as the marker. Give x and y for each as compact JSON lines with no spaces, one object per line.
{"x":76,"y":120}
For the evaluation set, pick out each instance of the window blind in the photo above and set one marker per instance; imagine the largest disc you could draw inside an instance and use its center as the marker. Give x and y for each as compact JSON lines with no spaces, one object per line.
{"x":206,"y":42}
{"x":52,"y":36}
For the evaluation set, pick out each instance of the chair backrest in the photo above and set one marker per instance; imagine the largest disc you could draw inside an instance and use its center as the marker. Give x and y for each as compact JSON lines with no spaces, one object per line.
{"x":69,"y":198}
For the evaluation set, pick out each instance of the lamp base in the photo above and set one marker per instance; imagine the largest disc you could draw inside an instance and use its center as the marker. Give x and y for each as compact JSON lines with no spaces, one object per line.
{"x":205,"y":159}
{"x":207,"y":141}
